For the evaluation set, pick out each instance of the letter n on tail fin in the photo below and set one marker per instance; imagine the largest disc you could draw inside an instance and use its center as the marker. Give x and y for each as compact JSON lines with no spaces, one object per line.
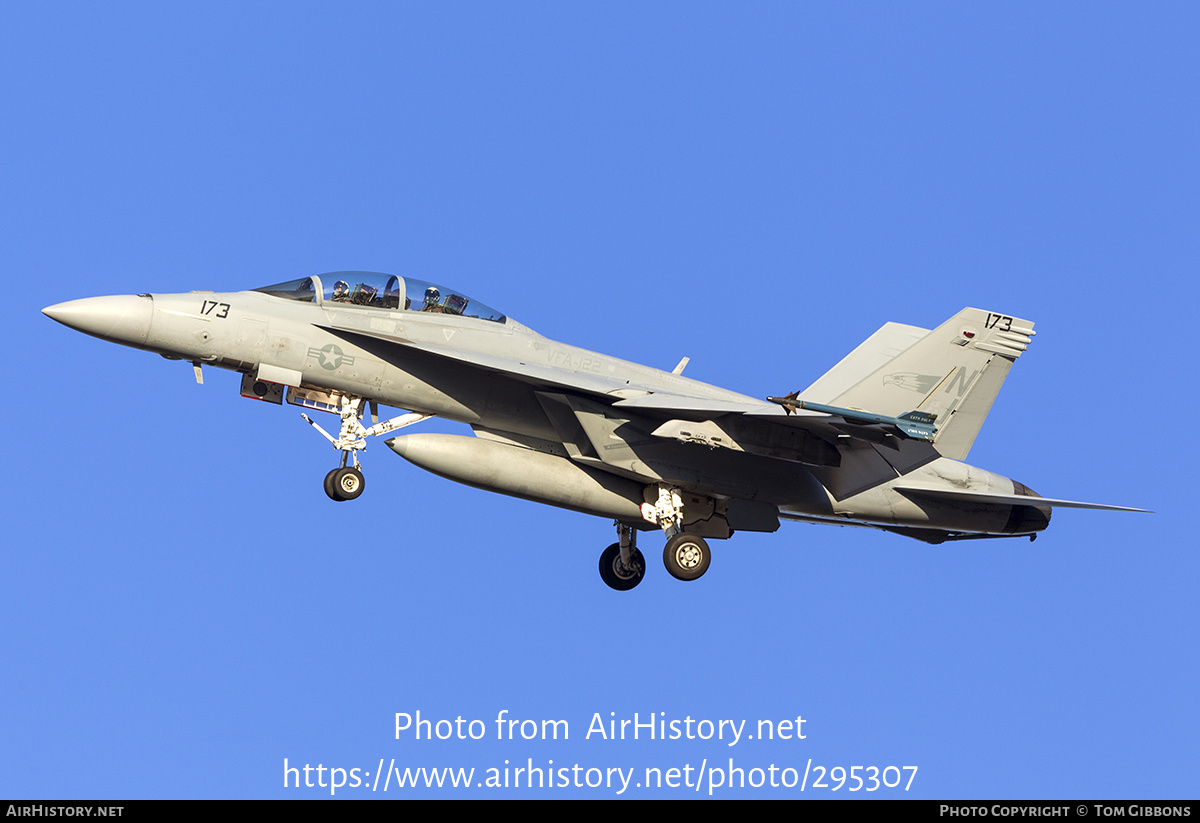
{"x":954,"y":372}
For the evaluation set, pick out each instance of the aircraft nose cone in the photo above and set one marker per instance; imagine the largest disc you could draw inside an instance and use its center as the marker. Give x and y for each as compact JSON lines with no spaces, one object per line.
{"x":122,"y":318}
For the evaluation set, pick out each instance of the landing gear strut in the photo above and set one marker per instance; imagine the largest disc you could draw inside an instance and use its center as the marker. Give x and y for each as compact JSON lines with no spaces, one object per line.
{"x":621,"y":564}
{"x":686,"y":556}
{"x":347,"y":482}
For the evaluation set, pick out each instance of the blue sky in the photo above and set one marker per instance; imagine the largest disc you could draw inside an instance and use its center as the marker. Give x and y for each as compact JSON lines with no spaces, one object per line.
{"x":756,"y":186}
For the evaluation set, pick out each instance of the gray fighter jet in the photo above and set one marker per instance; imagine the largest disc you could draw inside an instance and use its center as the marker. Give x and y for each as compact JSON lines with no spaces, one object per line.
{"x":877,"y":442}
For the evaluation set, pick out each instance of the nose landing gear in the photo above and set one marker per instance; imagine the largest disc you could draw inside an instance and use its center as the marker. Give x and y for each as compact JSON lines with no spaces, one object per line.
{"x":347,"y":482}
{"x":344,"y":484}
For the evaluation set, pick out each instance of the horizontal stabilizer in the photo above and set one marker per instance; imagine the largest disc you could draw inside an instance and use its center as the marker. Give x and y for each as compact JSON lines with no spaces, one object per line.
{"x":1009,"y":499}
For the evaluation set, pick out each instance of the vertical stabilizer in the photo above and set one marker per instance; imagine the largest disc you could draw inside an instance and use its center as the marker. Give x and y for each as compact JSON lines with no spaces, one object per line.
{"x":954,"y":372}
{"x":884,"y":345}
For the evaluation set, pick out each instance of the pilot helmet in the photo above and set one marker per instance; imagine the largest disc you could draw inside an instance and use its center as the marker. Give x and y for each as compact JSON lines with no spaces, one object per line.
{"x":341,"y":289}
{"x":432,"y":296}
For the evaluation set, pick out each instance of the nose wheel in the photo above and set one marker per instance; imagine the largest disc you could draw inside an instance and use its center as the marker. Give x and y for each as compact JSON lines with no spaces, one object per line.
{"x":344,"y":484}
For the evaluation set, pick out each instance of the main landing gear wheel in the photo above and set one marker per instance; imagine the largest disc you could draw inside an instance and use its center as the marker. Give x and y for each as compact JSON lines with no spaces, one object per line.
{"x":686,"y":557}
{"x":344,"y":484}
{"x":616,"y":574}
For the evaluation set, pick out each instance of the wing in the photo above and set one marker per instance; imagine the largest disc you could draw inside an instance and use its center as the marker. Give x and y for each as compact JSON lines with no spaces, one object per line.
{"x":385,"y":344}
{"x":625,"y":422}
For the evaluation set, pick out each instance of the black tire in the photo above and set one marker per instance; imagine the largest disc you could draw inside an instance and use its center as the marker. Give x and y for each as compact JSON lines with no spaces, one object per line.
{"x":617,"y":576}
{"x":331,"y":487}
{"x":349,"y":483}
{"x":686,"y":557}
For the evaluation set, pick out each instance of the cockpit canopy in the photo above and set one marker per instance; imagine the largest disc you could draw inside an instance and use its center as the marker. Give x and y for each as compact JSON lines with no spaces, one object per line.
{"x":382,"y":291}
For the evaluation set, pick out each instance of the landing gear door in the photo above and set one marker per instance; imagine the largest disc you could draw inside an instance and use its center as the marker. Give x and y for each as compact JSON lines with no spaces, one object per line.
{"x":310,"y":397}
{"x":257,"y":389}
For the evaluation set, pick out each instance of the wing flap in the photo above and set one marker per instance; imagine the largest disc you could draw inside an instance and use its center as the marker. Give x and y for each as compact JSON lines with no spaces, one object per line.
{"x":830,"y":423}
{"x":707,"y":406}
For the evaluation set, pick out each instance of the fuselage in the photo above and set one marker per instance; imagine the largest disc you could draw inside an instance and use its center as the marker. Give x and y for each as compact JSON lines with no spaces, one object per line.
{"x":520,"y":390}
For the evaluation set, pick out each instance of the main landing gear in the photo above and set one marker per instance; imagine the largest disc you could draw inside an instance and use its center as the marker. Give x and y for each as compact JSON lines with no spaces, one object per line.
{"x":686,"y":556}
{"x":621,"y":564}
{"x":347,"y":482}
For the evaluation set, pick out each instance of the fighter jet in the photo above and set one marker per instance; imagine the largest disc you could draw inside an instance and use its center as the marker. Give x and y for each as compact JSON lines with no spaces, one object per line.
{"x":876,"y":442}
